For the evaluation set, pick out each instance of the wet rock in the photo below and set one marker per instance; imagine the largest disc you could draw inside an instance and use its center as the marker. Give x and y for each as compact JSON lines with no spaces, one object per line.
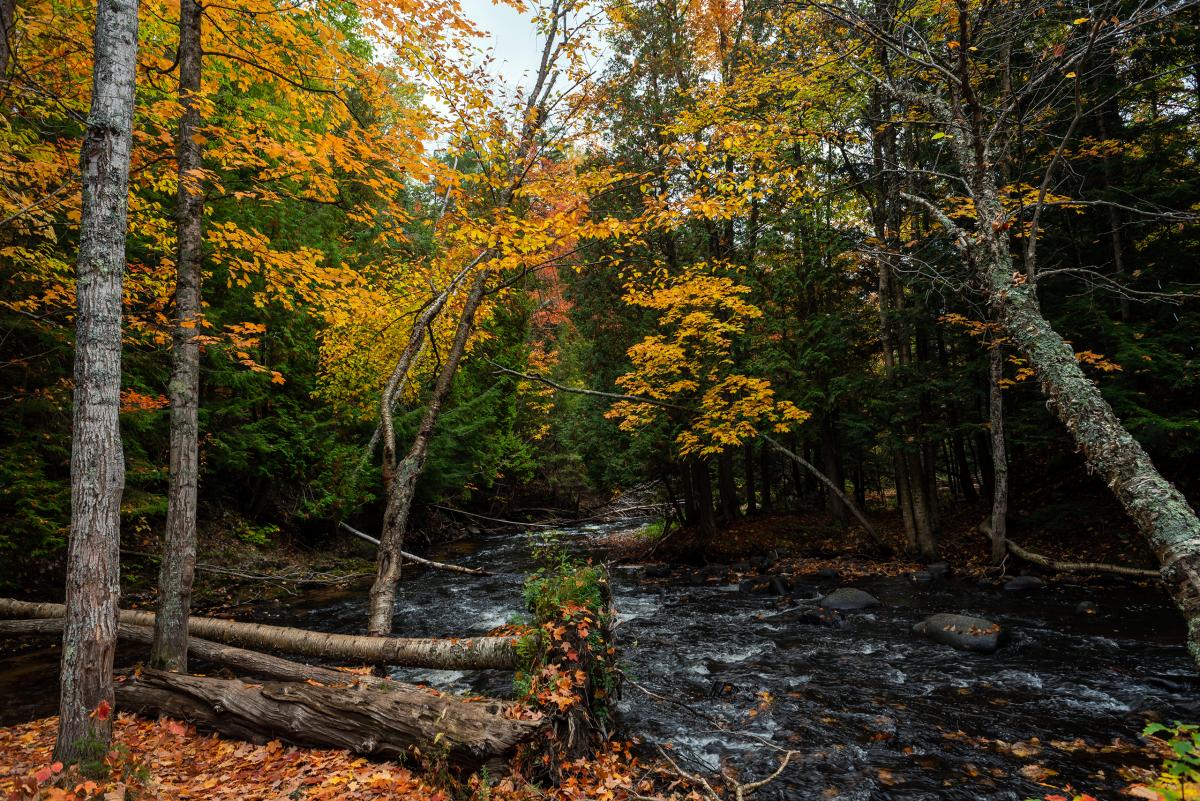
{"x":829,"y":618}
{"x":1086,"y":608}
{"x":921,"y":577}
{"x":765,"y":585}
{"x":805,"y":592}
{"x":752,"y":586}
{"x":1024,"y":584}
{"x":742,"y":567}
{"x":762,"y":562}
{"x":939,"y":570}
{"x":963,"y":632}
{"x":657,"y":571}
{"x":696,"y":578}
{"x":827,"y":573}
{"x":721,"y":689}
{"x":718,"y":572}
{"x":848,"y":598}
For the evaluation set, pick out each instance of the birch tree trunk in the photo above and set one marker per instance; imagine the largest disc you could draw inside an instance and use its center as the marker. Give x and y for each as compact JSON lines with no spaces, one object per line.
{"x":97,"y":460}
{"x":446,"y":653}
{"x":169,"y":650}
{"x":404,"y":482}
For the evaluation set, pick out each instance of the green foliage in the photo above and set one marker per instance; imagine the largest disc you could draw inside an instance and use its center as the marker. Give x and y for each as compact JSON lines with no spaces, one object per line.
{"x":1181,"y":773}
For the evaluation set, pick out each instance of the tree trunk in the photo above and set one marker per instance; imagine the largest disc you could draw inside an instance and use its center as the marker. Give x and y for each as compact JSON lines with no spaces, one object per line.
{"x":178,"y":568}
{"x":702,"y":488}
{"x":1160,"y":511}
{"x":468,"y":653}
{"x":97,"y":460}
{"x":727,"y":487}
{"x":8,"y":13}
{"x":833,"y":469}
{"x":383,"y":724}
{"x":999,"y":531}
{"x":764,"y":457}
{"x":404,"y":483}
{"x":751,"y":489}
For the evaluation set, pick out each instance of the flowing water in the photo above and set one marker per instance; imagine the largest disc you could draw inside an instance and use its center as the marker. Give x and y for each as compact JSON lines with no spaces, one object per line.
{"x":874,"y":711}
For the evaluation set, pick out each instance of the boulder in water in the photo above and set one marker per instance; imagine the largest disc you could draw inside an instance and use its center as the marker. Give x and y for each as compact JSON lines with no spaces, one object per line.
{"x":963,"y":632}
{"x":848,"y":598}
{"x":1086,"y":608}
{"x":1024,"y":584}
{"x":921,"y":577}
{"x":778,"y":585}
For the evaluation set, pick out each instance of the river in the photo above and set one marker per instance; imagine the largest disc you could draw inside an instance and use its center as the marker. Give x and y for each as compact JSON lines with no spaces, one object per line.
{"x":874,"y":711}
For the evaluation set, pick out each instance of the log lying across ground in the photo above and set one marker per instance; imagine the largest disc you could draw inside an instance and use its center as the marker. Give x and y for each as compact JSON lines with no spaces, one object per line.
{"x":251,"y":662}
{"x":1079,"y":567}
{"x":468,"y":653}
{"x":365,"y":720}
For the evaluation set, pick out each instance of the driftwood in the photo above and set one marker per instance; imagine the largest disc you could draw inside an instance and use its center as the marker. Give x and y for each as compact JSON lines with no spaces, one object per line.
{"x":250,"y":662}
{"x":473,"y":653}
{"x":360,"y":719}
{"x":1079,"y":567}
{"x":418,"y":560}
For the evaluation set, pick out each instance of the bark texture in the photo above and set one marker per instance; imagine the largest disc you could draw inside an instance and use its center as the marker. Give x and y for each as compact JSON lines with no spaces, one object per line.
{"x":404,"y":483}
{"x":97,"y":460}
{"x":1155,"y":505}
{"x":470,"y":653}
{"x":360,"y":719}
{"x":169,"y":650}
{"x":999,"y":532}
{"x":8,"y":13}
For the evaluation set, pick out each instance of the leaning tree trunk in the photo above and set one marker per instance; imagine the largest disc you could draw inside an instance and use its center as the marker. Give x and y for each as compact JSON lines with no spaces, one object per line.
{"x":1160,"y":511}
{"x":466,"y":653}
{"x":999,"y":531}
{"x":169,"y":650}
{"x":404,"y":483}
{"x":97,"y":461}
{"x":365,"y":720}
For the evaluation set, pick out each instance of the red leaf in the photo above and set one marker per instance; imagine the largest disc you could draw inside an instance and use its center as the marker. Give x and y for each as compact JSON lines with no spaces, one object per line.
{"x":104,"y":710}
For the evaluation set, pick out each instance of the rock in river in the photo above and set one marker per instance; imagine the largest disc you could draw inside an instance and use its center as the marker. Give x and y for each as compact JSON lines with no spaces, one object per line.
{"x":1024,"y":584}
{"x":963,"y":632}
{"x":846,"y":598}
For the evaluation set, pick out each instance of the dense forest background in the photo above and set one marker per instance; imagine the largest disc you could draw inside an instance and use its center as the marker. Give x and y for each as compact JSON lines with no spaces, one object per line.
{"x":308,"y":268}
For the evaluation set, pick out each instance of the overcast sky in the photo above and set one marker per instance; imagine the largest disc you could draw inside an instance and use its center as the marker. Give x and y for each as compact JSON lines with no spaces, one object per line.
{"x":510,"y":35}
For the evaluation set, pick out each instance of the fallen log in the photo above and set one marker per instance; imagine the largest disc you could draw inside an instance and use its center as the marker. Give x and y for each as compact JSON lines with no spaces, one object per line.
{"x":1079,"y":567}
{"x":251,"y":662}
{"x":418,"y":560}
{"x":360,"y":719}
{"x":469,"y":653}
